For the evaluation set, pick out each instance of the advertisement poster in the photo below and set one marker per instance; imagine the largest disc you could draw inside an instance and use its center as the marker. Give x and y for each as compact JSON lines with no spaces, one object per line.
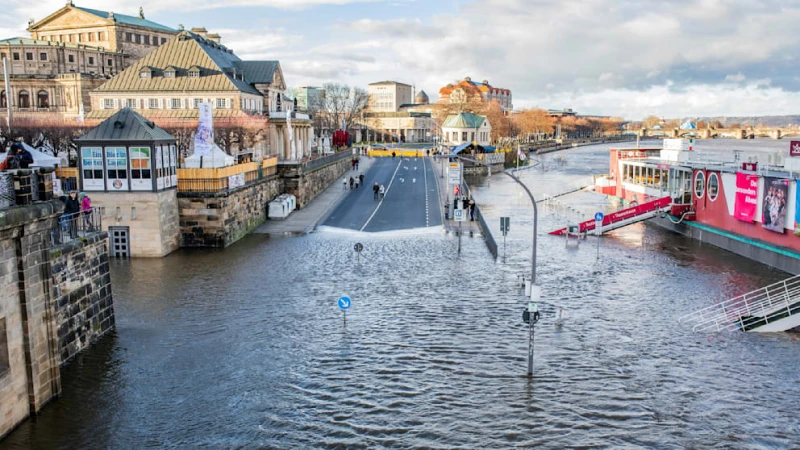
{"x":746,"y":201}
{"x":776,"y":192}
{"x":204,"y":139}
{"x":235,"y":181}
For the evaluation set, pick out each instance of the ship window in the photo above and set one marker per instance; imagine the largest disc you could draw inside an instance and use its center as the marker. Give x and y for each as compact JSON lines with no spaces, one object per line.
{"x":699,"y":184}
{"x":713,"y":186}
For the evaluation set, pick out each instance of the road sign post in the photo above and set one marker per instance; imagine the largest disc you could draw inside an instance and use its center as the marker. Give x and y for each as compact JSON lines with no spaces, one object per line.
{"x":598,"y":229}
{"x":358,"y":248}
{"x":344,"y":303}
{"x":505,"y":225}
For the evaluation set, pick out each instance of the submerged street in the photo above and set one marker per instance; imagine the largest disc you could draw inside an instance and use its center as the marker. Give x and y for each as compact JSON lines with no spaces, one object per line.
{"x":245,"y":347}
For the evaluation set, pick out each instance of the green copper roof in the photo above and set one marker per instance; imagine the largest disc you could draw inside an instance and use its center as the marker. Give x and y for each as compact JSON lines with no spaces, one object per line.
{"x":463,"y":120}
{"x":127,"y":20}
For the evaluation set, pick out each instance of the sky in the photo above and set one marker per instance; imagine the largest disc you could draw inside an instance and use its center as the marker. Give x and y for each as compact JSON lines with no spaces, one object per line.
{"x":628,"y":58}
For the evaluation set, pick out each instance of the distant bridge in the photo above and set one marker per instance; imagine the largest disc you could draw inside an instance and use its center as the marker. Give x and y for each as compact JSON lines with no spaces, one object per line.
{"x":710,"y":133}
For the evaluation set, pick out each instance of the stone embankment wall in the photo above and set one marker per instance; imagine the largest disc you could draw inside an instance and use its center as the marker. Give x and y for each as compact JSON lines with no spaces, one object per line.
{"x":222,"y":218}
{"x":30,"y":361}
{"x":82,"y":290}
{"x":307,"y":185}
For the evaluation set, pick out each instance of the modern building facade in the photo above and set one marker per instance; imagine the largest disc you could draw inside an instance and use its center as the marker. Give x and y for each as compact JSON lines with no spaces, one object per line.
{"x":464,"y":128}
{"x":168,"y":85}
{"x":467,"y":91}
{"x":307,"y":97}
{"x":387,"y":96}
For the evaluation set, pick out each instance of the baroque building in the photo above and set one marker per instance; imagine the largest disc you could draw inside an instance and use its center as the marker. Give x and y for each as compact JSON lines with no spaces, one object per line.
{"x":167,"y":86}
{"x":467,"y":91}
{"x":70,"y":52}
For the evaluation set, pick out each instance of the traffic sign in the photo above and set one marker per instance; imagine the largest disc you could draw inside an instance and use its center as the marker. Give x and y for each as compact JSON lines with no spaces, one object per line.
{"x":358,"y":247}
{"x":598,"y":217}
{"x":505,"y":224}
{"x":459,"y":216}
{"x":454,"y":173}
{"x":344,"y":303}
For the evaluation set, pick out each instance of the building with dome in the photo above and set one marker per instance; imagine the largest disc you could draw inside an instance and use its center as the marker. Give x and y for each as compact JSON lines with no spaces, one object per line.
{"x":395,"y":114}
{"x":422,"y":98}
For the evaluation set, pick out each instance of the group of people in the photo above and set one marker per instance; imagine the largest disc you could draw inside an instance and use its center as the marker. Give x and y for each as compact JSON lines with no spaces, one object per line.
{"x":16,"y":158}
{"x":775,"y":209}
{"x":354,"y":181}
{"x":355,"y":162}
{"x":77,"y":206}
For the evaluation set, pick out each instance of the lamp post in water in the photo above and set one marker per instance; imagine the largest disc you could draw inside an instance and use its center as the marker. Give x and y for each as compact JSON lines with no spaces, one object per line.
{"x":535,"y":289}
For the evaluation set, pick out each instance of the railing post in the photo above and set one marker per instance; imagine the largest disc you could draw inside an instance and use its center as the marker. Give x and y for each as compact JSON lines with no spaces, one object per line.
{"x":786,"y":298}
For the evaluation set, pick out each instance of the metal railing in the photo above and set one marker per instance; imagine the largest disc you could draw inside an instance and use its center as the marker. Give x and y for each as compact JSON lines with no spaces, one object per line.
{"x":316,"y":163}
{"x":75,"y":226}
{"x":487,"y":234}
{"x":751,"y":310}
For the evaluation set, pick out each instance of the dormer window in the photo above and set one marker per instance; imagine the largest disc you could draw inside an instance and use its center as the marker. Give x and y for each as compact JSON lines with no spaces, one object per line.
{"x":194,"y":72}
{"x":170,"y":72}
{"x":145,"y":73}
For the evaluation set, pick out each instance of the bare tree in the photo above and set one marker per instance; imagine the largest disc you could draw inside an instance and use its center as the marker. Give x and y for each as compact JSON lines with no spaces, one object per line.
{"x":340,"y":104}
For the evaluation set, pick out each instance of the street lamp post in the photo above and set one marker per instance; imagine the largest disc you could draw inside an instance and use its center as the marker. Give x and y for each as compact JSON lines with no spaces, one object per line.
{"x":534,"y":288}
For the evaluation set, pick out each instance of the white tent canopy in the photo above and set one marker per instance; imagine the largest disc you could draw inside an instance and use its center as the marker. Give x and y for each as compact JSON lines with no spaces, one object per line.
{"x":217,"y":158}
{"x":39,"y":159}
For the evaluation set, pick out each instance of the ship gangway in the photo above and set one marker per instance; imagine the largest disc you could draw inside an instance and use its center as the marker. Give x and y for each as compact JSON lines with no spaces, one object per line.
{"x":772,"y":308}
{"x":625,"y":217}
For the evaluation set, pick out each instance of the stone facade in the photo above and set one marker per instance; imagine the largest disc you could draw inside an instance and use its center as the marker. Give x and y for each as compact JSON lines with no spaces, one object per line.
{"x":30,"y":327}
{"x":152,"y":218}
{"x":306,"y":185}
{"x":82,"y":290}
{"x":220,"y":219}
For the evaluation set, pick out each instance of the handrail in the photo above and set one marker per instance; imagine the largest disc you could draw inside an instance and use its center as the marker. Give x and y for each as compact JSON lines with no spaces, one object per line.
{"x":746,"y":311}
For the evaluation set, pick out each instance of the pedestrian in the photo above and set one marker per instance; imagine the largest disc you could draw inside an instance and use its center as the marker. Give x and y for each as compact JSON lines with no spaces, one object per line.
{"x":357,"y":161}
{"x":351,"y":182}
{"x":393,"y":154}
{"x":353,"y":163}
{"x":357,"y":183}
{"x":344,"y":183}
{"x":471,"y":210}
{"x":361,"y":178}
{"x":382,"y":191}
{"x":72,"y":207}
{"x":375,"y":188}
{"x":23,"y":156}
{"x":86,"y":211}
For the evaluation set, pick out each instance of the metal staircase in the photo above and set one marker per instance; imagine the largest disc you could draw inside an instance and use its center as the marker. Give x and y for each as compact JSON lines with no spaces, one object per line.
{"x":625,"y":216}
{"x":772,"y":308}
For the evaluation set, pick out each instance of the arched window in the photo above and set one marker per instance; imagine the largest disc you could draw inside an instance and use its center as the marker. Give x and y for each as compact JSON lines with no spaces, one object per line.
{"x":699,"y":184}
{"x":24,"y":99}
{"x":713,"y":186}
{"x":3,"y":103}
{"x":43,"y":101}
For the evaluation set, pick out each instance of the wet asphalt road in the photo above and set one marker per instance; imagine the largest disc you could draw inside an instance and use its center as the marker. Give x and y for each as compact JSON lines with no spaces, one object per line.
{"x":410,"y":201}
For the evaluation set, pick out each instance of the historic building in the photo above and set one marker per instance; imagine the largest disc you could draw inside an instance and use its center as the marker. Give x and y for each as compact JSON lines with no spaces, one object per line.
{"x":133,"y":36}
{"x":69,"y":53}
{"x":467,"y":91}
{"x":464,"y":128}
{"x":395,"y":114}
{"x":50,"y":79}
{"x":168,"y":85}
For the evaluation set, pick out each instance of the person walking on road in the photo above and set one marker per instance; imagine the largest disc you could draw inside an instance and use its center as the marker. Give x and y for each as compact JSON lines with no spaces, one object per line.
{"x":375,"y":188}
{"x":356,"y":182}
{"x":471,"y":210}
{"x":382,"y":191}
{"x":351,"y":182}
{"x":361,"y":178}
{"x":357,"y":161}
{"x":344,"y":183}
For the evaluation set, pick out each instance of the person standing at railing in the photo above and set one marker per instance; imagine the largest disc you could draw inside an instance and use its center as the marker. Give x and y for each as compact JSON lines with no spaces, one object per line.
{"x":72,"y":207}
{"x":24,"y":156}
{"x":86,"y":211}
{"x":10,"y":163}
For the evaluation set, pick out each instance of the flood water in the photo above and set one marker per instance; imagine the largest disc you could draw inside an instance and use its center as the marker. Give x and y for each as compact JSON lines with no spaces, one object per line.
{"x":246,"y":348}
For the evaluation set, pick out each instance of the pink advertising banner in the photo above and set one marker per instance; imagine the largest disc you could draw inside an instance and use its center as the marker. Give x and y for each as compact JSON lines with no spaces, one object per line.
{"x":746,"y":202}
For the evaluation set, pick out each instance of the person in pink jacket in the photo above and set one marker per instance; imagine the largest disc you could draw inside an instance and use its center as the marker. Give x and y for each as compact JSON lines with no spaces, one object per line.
{"x":86,"y":210}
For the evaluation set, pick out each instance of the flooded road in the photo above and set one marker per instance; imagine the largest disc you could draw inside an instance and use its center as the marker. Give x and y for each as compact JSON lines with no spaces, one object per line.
{"x":246,"y":348}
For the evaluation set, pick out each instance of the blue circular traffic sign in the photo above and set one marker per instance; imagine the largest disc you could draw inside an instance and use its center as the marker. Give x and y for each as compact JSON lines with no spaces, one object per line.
{"x":598,"y":217}
{"x":344,"y":302}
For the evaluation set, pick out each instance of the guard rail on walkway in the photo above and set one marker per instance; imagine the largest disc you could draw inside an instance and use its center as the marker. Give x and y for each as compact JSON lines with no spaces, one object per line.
{"x":487,"y":235}
{"x":76,"y":226}
{"x":771,"y":308}
{"x":316,"y":163}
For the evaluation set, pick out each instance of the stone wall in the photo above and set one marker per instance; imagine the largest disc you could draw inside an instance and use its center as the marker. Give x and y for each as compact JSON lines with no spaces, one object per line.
{"x":32,"y":275}
{"x":154,"y":231}
{"x":30,"y":376}
{"x":84,"y":307}
{"x":220,"y":219}
{"x":306,"y":185}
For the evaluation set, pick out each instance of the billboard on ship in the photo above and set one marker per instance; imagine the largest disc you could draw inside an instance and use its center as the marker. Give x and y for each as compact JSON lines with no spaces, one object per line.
{"x":775,"y":203}
{"x":746,"y":202}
